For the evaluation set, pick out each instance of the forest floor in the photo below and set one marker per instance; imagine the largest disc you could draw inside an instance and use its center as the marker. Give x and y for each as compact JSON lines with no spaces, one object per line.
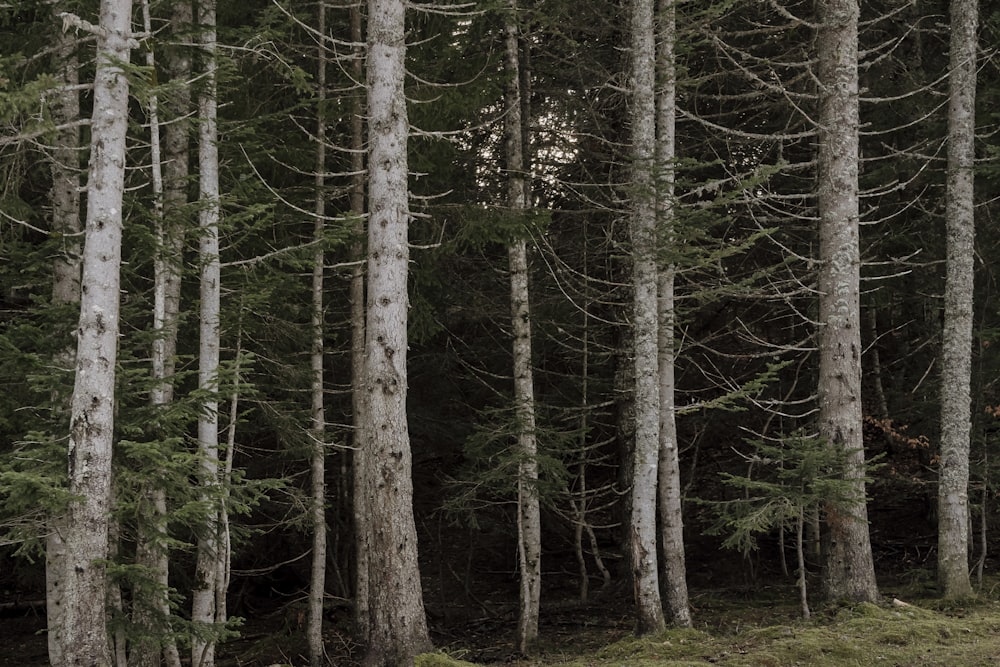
{"x":759,"y":627}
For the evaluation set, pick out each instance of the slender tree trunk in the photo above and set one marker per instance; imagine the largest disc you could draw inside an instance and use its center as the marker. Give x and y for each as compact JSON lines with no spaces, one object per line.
{"x":397,"y":624}
{"x":203,"y":606}
{"x":151,"y":604}
{"x":800,"y":558}
{"x":529,"y":529}
{"x":956,"y":369}
{"x":671,"y":507}
{"x":317,"y":583}
{"x":223,"y":561}
{"x":644,"y":260}
{"x":849,"y":570}
{"x":580,"y":507}
{"x":357,"y":296}
{"x":65,"y":169}
{"x":529,"y":520}
{"x":85,"y":632}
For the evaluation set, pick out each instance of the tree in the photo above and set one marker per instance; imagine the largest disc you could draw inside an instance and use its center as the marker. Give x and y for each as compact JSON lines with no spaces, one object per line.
{"x":849,"y":571}
{"x":317,"y":583}
{"x":356,"y":296}
{"x":65,"y":199}
{"x":204,"y":607}
{"x":168,"y":169}
{"x":643,"y":236}
{"x":84,"y":619}
{"x":956,"y":367}
{"x":529,"y":529}
{"x":397,"y":625}
{"x":670,"y":492}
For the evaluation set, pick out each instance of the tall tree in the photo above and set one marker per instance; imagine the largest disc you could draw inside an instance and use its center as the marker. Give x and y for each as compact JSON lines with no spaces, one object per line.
{"x":529,"y":529}
{"x":670,"y":492}
{"x":956,"y":369}
{"x":65,"y":197}
{"x":169,"y":167}
{"x":397,"y":623}
{"x":317,"y":583}
{"x":204,"y":610}
{"x":84,"y":621}
{"x":357,"y":301}
{"x":643,"y":235}
{"x":849,"y":570}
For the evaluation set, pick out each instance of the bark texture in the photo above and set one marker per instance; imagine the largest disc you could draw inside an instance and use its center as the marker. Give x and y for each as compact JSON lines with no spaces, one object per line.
{"x":357,"y":296}
{"x":643,"y":547}
{"x":85,"y":633}
{"x":670,"y":491}
{"x":317,"y":582}
{"x":203,"y":605}
{"x":397,"y":623}
{"x":956,"y":368}
{"x":529,"y":529}
{"x":65,"y":169}
{"x":151,"y":606}
{"x":849,"y":570}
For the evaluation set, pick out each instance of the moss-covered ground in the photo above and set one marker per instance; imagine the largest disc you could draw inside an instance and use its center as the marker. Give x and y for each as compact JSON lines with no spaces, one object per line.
{"x":766,"y":631}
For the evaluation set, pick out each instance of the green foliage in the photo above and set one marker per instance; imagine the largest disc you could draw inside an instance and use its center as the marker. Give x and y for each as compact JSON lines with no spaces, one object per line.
{"x":785,"y":479}
{"x":491,"y":475}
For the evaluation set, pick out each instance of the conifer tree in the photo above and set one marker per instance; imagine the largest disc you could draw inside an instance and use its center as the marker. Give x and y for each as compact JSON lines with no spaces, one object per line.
{"x":204,"y":605}
{"x":357,"y":302}
{"x":65,"y":197}
{"x":528,"y":520}
{"x":849,"y":571}
{"x":643,"y":237}
{"x":168,"y":169}
{"x":956,"y":368}
{"x":317,"y":582}
{"x":397,"y":627}
{"x":84,"y":617}
{"x":670,"y":505}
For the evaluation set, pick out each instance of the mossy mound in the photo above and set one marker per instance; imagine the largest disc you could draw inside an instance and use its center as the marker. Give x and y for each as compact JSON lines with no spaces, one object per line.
{"x":438,"y":659}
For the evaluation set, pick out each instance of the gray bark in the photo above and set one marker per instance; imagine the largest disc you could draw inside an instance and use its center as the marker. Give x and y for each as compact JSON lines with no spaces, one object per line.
{"x":849,"y":570}
{"x":397,"y":623}
{"x":357,"y":296}
{"x":203,"y":605}
{"x":643,"y":548}
{"x":317,"y":582}
{"x":65,"y":169}
{"x":956,"y":369}
{"x":529,"y":530}
{"x":84,"y":620}
{"x":670,"y":491}
{"x":151,"y":609}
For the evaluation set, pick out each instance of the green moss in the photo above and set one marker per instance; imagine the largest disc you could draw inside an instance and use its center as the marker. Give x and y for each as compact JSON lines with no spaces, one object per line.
{"x":856,"y":635}
{"x":439,"y":659}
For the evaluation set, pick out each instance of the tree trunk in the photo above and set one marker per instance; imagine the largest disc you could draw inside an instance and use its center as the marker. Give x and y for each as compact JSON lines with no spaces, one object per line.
{"x":671,"y":510}
{"x":397,"y":624}
{"x":65,"y":291}
{"x":357,"y":296}
{"x":956,"y":369}
{"x":529,"y":529}
{"x":849,"y":570}
{"x":317,"y":583}
{"x":203,"y":605}
{"x":643,"y":549}
{"x":85,"y":632}
{"x":151,"y":606}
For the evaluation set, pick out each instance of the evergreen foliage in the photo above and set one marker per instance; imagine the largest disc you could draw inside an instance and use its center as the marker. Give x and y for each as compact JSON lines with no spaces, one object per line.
{"x":743,"y":244}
